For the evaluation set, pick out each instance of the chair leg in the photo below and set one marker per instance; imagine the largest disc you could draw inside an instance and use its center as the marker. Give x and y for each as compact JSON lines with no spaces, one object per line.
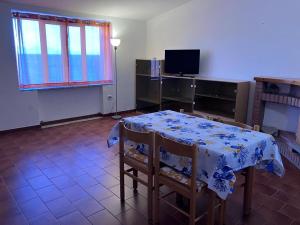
{"x":211,"y":208}
{"x":122,"y":185}
{"x":222,"y":210}
{"x":150,"y":198}
{"x":156,"y":202}
{"x":192,"y":211}
{"x":134,"y":182}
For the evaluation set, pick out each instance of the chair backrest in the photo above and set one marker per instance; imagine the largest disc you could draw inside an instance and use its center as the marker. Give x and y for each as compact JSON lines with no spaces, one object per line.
{"x":178,"y":149}
{"x":147,"y":138}
{"x":238,"y":124}
{"x":194,"y":114}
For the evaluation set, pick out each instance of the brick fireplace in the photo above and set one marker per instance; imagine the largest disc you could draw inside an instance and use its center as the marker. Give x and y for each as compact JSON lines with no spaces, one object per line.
{"x":284,"y":92}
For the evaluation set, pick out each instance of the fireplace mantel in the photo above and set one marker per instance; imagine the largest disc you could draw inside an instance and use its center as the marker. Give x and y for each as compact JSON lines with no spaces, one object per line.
{"x":278,"y":80}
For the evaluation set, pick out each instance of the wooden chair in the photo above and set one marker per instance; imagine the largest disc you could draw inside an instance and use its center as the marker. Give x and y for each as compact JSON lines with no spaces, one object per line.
{"x":241,"y":125}
{"x":189,"y":188}
{"x":248,"y":172}
{"x":194,"y":114}
{"x":137,"y":162}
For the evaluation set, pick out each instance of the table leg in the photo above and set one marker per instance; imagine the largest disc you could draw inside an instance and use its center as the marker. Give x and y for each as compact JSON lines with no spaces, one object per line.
{"x":248,"y":189}
{"x":222,"y":211}
{"x":211,"y":208}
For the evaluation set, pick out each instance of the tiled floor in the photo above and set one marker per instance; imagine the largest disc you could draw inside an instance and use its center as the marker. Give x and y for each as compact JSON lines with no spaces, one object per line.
{"x":67,"y":175}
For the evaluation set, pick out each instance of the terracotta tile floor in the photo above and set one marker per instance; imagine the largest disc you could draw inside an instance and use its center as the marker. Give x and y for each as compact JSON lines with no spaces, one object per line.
{"x":67,"y":175}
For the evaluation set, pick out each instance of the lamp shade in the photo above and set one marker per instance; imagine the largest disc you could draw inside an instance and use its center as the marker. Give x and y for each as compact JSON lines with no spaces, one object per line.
{"x":115,"y":42}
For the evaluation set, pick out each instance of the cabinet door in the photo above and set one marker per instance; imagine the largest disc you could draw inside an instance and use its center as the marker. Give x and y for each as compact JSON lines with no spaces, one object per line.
{"x":215,"y":97}
{"x":147,"y":92}
{"x":178,"y":93}
{"x":143,"y":67}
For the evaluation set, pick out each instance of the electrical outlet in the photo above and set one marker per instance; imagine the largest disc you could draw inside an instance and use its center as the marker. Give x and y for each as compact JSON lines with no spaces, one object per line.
{"x":109,"y":97}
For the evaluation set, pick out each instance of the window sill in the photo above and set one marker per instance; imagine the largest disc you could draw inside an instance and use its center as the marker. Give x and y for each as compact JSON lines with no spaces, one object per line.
{"x":41,"y":88}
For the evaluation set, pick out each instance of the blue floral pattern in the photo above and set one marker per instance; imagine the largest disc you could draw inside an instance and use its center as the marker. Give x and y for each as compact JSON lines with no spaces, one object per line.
{"x":224,"y":177}
{"x":222,"y":149}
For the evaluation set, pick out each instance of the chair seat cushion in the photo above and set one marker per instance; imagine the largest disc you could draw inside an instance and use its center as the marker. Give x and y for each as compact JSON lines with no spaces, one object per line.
{"x":177,"y":176}
{"x":131,"y":152}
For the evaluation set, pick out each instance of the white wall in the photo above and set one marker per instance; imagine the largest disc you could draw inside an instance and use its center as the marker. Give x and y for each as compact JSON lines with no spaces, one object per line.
{"x":17,"y":109}
{"x":69,"y":102}
{"x":237,"y":39}
{"x":28,"y":108}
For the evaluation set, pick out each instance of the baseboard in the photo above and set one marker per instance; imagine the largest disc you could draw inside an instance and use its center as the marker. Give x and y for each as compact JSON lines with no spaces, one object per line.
{"x":64,"y":121}
{"x":81,"y":118}
{"x":69,"y":120}
{"x":120,"y":112}
{"x":20,"y":129}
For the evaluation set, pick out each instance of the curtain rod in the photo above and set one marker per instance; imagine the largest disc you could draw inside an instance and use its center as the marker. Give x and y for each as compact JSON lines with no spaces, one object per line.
{"x":57,"y":18}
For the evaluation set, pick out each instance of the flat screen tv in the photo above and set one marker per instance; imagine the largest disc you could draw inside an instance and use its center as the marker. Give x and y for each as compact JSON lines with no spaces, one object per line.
{"x":182,"y":61}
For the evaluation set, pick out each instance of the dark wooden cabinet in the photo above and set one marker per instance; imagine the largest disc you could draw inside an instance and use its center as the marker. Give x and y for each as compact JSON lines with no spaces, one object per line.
{"x":222,"y":98}
{"x":177,"y":93}
{"x":201,"y":95}
{"x":148,"y":88}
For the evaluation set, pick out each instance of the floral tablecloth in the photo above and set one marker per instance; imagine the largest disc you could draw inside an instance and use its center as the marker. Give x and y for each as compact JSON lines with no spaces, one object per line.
{"x":222,"y":149}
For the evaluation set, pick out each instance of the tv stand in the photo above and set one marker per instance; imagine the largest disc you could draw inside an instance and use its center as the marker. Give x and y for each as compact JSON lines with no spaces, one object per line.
{"x":180,"y":75}
{"x":188,"y":75}
{"x":214,"y":97}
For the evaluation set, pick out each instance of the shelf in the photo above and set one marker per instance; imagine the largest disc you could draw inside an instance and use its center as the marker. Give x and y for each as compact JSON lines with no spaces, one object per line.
{"x":148,"y":76}
{"x":214,"y":114}
{"x":221,"y":80}
{"x":288,"y":147}
{"x":290,"y":139}
{"x":145,"y":99}
{"x":178,"y":99}
{"x":216,"y":97}
{"x":144,"y":75}
{"x":177,"y":77}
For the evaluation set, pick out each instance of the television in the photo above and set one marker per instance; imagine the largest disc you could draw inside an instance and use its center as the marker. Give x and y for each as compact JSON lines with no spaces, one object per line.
{"x":182,"y":61}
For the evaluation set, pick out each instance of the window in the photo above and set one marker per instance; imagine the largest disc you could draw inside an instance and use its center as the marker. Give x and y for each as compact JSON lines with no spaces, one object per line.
{"x":60,"y":52}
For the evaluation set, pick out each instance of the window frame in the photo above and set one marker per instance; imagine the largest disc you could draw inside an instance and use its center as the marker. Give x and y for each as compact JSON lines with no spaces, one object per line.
{"x":64,"y":23}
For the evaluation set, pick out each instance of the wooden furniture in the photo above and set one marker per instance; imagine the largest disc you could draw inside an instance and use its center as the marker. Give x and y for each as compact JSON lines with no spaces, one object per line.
{"x":219,"y":98}
{"x":218,"y":156}
{"x":188,"y":187}
{"x":225,"y":99}
{"x":177,"y":93}
{"x":248,"y":189}
{"x":137,"y":162}
{"x":290,"y":97}
{"x":238,"y":124}
{"x":248,"y":172}
{"x":148,"y":88}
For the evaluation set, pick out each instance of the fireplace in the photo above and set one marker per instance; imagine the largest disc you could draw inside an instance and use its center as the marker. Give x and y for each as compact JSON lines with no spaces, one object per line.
{"x":285,"y":92}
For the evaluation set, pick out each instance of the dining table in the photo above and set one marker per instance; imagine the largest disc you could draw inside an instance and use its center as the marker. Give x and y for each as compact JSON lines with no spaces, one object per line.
{"x":222,"y":150}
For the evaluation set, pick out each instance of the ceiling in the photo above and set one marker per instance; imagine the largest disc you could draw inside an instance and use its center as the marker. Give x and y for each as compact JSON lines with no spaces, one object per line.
{"x":131,"y":9}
